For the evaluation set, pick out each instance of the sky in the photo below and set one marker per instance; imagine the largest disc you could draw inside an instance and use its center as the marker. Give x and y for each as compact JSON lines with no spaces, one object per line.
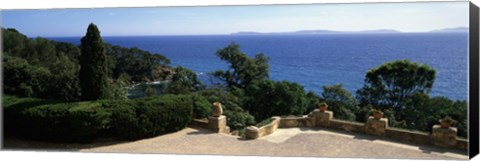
{"x":213,"y":20}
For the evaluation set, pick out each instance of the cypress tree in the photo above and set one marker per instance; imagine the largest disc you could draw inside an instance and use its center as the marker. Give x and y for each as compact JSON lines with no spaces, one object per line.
{"x":93,"y":65}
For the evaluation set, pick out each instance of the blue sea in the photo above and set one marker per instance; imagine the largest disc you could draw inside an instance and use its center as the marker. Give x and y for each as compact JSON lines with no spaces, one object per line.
{"x":317,"y":60}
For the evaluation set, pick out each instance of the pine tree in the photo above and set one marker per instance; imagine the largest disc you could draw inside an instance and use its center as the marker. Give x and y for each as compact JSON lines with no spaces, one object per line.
{"x":93,"y":65}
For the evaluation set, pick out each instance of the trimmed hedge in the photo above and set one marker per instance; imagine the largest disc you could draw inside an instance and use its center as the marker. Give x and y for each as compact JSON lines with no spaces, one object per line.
{"x":55,"y":121}
{"x":83,"y":121}
{"x":150,"y":116}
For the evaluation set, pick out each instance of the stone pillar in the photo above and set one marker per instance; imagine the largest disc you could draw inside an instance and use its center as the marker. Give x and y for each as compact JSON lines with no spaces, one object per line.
{"x":310,"y":120}
{"x":376,"y":126}
{"x":218,"y":124}
{"x":322,"y":118}
{"x":444,"y":137}
{"x":252,"y":132}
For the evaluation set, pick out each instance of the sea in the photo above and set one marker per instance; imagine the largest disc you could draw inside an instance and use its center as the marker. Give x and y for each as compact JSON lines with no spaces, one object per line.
{"x":314,"y":61}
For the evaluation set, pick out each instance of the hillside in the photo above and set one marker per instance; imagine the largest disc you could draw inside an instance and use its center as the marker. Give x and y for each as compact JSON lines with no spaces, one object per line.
{"x":49,"y":69}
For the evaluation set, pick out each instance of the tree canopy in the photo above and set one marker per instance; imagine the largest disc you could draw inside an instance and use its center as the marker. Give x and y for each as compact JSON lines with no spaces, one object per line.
{"x":139,"y":65}
{"x":393,"y":83}
{"x":237,"y":116}
{"x":243,"y":70}
{"x":340,"y":101}
{"x":422,"y":112}
{"x":184,"y":81}
{"x":268,"y":98}
{"x":39,"y":67}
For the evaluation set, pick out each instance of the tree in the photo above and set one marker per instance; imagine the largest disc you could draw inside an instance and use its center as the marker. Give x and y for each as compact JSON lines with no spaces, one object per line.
{"x":238,"y":118}
{"x":243,"y":70}
{"x":268,"y":98}
{"x":64,"y":83}
{"x":422,"y":112}
{"x":340,"y":101}
{"x":24,"y":79}
{"x":46,"y":51}
{"x":40,"y":67}
{"x":392,"y":84}
{"x":184,"y":81}
{"x":312,"y":101}
{"x":16,"y":43}
{"x":117,"y":90}
{"x":140,"y":65}
{"x":363,"y":113}
{"x":93,"y":65}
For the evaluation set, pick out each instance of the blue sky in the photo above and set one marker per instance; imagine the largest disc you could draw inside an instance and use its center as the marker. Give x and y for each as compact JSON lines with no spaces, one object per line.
{"x":406,"y":17}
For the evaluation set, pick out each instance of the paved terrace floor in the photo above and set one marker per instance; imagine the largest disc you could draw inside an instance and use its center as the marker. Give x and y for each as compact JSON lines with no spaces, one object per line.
{"x":304,"y":142}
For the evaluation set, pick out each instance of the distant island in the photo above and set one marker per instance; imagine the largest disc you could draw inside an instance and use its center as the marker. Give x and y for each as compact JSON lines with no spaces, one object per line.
{"x":456,"y":29}
{"x":318,"y":32}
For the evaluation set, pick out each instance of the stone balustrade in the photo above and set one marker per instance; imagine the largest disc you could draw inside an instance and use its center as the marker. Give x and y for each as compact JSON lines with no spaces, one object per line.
{"x":291,"y":121}
{"x":253,"y":132}
{"x":215,"y":124}
{"x":443,"y":137}
{"x":376,"y":126}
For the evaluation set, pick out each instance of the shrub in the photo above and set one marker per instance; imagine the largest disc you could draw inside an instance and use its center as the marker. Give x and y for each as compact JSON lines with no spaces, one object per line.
{"x":87,"y":119}
{"x":150,"y":116}
{"x":83,"y":121}
{"x":202,"y":108}
{"x":312,"y":101}
{"x":53,"y":120}
{"x":269,"y":98}
{"x":237,"y":118}
{"x":363,"y":113}
{"x":340,"y":101}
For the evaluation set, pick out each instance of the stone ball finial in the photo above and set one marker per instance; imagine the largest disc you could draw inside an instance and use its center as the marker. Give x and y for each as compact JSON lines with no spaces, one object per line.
{"x":217,"y":109}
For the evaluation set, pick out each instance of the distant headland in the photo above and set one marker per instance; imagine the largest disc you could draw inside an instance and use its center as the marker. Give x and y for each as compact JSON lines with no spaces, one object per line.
{"x":318,"y":32}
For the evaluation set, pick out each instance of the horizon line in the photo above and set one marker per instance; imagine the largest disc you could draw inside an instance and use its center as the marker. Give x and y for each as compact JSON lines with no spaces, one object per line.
{"x":254,"y":33}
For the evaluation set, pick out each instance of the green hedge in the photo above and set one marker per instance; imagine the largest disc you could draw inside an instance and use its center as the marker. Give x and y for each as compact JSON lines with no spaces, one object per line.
{"x":83,"y":121}
{"x":51,"y":120}
{"x":150,"y":116}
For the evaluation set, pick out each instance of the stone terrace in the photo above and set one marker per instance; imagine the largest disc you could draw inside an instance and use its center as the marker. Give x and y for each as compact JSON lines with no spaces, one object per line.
{"x":302,"y":141}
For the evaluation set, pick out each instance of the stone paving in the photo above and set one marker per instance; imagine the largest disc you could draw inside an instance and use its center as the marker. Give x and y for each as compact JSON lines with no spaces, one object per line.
{"x":304,"y":142}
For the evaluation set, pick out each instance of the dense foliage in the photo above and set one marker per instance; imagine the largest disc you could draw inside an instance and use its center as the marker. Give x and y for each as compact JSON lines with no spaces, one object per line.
{"x":422,"y":112}
{"x":93,"y":65}
{"x":248,"y":79}
{"x":401,"y":89}
{"x":151,"y":116}
{"x":48,"y":69}
{"x":184,"y":81}
{"x":269,"y":98}
{"x":340,"y":101}
{"x":243,"y":70}
{"x":53,"y":120}
{"x":39,"y":67}
{"x":393,"y":83}
{"x":82,"y":121}
{"x":136,"y":65}
{"x":237,"y":117}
